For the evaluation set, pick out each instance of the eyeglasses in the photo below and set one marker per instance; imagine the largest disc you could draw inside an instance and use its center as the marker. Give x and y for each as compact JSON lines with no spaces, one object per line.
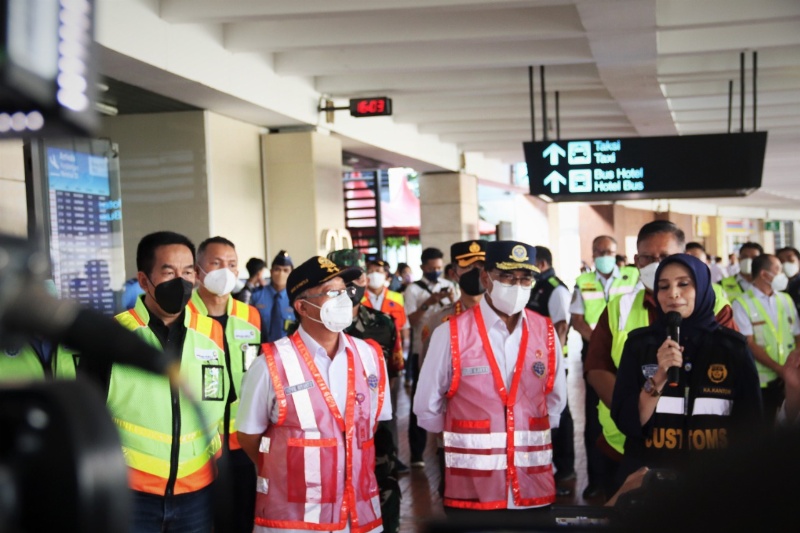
{"x":350,"y":291}
{"x":507,"y":278}
{"x":650,"y":259}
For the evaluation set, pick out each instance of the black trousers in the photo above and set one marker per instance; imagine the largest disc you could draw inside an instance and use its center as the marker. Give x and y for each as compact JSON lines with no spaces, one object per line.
{"x":417,"y":437}
{"x":564,"y":444}
{"x":594,"y":457}
{"x":772,"y":397}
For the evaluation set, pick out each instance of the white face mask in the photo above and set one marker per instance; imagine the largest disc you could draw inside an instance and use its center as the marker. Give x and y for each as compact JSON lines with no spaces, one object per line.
{"x":791,"y":269}
{"x":779,"y":282}
{"x":746,"y":266}
{"x":376,"y":280}
{"x":336,"y":314}
{"x":509,"y":299}
{"x":240,"y":283}
{"x":647,"y":275}
{"x":219,"y":282}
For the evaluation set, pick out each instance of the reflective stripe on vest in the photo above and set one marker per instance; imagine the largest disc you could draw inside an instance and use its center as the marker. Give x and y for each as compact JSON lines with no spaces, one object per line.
{"x":139,"y":403}
{"x":479,"y":426}
{"x":316,"y":464}
{"x":776,"y":339}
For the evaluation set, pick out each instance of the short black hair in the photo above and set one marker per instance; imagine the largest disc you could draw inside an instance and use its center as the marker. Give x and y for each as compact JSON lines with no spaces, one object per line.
{"x":431,"y":253}
{"x":695,"y":246}
{"x":661,"y":226}
{"x":543,"y":254}
{"x":213,"y":240}
{"x":255,"y":265}
{"x":789,"y":249}
{"x":762,"y":262}
{"x":752,"y":246}
{"x":601,"y":237}
{"x":146,"y":250}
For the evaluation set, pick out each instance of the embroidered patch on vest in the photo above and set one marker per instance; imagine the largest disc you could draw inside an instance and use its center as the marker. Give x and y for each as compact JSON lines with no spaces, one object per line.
{"x":372,"y":381}
{"x":538,"y":369}
{"x":475,"y":370}
{"x":299,"y":387}
{"x":717,"y":373}
{"x":12,"y":352}
{"x":244,"y":334}
{"x":648,"y":371}
{"x":206,"y":355}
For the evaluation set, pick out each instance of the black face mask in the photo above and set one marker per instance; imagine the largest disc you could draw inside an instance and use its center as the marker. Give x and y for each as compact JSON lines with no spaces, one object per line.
{"x":470,"y":282}
{"x":356,"y":298}
{"x":173,"y":295}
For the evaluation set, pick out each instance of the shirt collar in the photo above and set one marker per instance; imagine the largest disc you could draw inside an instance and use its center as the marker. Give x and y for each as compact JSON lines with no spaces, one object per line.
{"x":761,"y":294}
{"x":614,"y":274}
{"x":314,"y":347}
{"x":491,"y":318}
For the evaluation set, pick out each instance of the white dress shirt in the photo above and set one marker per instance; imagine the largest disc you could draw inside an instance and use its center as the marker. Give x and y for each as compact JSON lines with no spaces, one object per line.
{"x":258,"y":408}
{"x":376,"y":299}
{"x":558,"y":305}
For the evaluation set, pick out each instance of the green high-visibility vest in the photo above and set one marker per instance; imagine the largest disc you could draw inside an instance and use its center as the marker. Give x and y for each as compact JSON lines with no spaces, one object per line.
{"x":625,"y":314}
{"x":243,"y":334}
{"x":23,"y":364}
{"x":776,"y":339}
{"x":594,"y":298}
{"x":140,"y":402}
{"x":731,"y":287}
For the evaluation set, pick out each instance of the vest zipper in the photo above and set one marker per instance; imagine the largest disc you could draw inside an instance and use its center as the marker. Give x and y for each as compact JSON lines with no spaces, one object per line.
{"x":176,"y":441}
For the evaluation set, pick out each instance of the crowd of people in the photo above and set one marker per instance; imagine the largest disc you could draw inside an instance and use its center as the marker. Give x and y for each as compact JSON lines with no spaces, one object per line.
{"x":291,"y":378}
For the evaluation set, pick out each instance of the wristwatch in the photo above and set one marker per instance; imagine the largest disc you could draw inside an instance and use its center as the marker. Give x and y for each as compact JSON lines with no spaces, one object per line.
{"x":651,"y":389}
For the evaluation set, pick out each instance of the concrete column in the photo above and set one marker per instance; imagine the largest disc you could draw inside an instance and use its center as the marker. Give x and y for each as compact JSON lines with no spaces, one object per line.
{"x":303,"y":193}
{"x":448,"y":209}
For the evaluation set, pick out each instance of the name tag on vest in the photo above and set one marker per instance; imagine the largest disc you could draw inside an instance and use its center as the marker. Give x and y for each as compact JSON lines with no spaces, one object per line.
{"x":244,"y":334}
{"x":297,"y":388}
{"x":206,"y":355}
{"x":475,"y":370}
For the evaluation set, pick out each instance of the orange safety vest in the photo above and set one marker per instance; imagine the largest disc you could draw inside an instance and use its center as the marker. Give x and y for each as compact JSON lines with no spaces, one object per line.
{"x":492,"y":442}
{"x":316,"y":465}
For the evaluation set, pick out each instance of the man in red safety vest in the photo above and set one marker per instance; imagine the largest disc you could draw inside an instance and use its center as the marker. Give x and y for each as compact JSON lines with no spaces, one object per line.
{"x":309,"y":409}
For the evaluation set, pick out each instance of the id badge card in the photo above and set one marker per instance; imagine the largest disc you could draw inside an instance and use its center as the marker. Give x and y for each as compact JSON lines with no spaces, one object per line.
{"x":213,"y":384}
{"x":249,"y":354}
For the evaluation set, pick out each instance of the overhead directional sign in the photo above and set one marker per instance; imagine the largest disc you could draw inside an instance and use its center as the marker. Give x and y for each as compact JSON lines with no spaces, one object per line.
{"x":690,"y":166}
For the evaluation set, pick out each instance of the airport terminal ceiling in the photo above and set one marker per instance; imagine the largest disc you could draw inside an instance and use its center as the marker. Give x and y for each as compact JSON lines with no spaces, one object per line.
{"x":457,"y":70}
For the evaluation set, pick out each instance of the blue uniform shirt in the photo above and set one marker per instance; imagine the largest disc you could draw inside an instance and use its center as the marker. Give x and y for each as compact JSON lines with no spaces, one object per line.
{"x":273,"y":324}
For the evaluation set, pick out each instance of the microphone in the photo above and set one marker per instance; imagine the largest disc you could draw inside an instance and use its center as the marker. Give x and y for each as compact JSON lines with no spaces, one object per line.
{"x":674,"y":332}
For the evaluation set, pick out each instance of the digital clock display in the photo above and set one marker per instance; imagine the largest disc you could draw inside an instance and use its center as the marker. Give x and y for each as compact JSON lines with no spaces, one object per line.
{"x":371,"y":107}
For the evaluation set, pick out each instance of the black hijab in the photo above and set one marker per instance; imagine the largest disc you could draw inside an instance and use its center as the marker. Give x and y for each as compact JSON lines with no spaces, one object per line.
{"x":702,"y":318}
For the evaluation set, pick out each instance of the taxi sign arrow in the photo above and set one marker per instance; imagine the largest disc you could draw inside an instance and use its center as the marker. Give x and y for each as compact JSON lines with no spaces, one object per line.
{"x":553,"y":151}
{"x":555,"y":181}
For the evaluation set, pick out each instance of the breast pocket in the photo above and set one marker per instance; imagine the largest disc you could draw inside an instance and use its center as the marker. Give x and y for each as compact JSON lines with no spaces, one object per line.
{"x":313,"y":464}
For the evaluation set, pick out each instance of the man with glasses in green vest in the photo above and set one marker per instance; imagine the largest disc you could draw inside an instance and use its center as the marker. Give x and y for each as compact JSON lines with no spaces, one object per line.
{"x":656,"y":241}
{"x":768,"y":318}
{"x":592,"y":292}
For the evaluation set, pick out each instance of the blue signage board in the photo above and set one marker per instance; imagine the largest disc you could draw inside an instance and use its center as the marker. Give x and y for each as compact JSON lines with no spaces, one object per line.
{"x":690,"y":166}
